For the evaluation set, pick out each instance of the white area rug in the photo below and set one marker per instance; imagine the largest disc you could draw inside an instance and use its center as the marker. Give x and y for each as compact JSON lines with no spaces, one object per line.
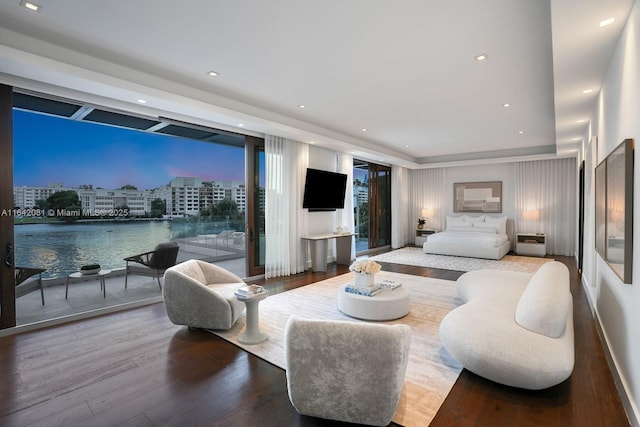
{"x":415,"y":256}
{"x":431,"y":371}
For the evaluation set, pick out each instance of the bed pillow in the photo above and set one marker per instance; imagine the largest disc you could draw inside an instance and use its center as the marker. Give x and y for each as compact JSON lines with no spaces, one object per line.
{"x":499,"y":222}
{"x":457,"y":221}
{"x":457,"y":228}
{"x":473,"y":219}
{"x":485,"y":228}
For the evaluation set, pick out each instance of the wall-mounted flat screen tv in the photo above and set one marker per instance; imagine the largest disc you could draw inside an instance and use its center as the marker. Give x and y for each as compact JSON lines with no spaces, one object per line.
{"x":324,"y":190}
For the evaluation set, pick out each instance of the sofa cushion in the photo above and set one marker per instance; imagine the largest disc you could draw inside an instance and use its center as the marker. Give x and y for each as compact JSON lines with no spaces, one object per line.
{"x":545,"y":303}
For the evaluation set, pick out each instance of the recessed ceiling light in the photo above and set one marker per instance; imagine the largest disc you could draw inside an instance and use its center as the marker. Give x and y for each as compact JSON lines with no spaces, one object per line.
{"x":587,"y":91}
{"x":406,"y":145}
{"x":240,"y":125}
{"x":142,"y":101}
{"x":520,"y":132}
{"x":213,"y":73}
{"x":606,"y":22}
{"x":506,"y":105}
{"x":364,"y":129}
{"x":302,"y":106}
{"x":30,"y":5}
{"x":481,"y":57}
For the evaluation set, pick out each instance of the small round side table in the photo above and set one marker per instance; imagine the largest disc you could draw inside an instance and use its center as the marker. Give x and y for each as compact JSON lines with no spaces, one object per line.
{"x":252,"y":333}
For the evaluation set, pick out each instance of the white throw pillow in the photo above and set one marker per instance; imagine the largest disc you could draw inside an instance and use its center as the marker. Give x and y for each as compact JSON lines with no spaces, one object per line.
{"x":474,"y":219}
{"x":500,"y":223}
{"x":457,"y":221}
{"x":459,"y":228}
{"x":485,"y":228}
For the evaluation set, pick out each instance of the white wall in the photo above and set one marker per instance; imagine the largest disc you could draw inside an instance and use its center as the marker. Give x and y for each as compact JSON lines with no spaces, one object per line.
{"x":617,"y":305}
{"x":323,"y":222}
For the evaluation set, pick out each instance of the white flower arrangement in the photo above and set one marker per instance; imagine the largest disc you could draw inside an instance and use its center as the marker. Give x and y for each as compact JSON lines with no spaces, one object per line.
{"x":365,"y":266}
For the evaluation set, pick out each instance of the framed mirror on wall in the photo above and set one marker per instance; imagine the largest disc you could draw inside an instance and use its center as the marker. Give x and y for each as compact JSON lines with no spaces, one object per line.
{"x":614,"y":209}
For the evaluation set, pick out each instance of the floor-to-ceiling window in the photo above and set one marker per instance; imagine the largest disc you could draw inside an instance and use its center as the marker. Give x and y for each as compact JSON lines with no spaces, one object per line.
{"x":92,"y":186}
{"x":372,"y":205}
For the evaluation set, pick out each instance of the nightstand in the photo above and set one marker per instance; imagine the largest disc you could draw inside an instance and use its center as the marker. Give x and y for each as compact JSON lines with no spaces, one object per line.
{"x":421,"y":235}
{"x":531,"y":244}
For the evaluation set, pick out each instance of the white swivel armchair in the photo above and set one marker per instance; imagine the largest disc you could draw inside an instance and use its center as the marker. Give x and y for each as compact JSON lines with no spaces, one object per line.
{"x":346,"y":371}
{"x":201,"y":295}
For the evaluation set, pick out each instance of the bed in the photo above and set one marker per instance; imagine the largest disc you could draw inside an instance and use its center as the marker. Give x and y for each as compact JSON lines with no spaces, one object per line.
{"x":471,"y":236}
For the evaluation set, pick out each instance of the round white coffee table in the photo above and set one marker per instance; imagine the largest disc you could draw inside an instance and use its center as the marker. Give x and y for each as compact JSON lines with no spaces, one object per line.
{"x":387,"y":305}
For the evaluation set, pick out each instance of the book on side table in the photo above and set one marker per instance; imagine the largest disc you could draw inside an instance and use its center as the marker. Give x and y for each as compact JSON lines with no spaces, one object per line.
{"x":250,"y":291}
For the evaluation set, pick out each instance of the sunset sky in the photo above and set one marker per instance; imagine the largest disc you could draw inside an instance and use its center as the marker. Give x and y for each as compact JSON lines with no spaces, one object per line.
{"x":58,"y":150}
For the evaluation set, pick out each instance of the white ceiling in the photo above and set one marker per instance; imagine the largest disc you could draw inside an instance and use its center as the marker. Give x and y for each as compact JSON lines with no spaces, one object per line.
{"x":403,"y":70}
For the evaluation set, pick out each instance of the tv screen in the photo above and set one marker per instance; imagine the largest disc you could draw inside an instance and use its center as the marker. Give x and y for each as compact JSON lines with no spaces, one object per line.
{"x":324,"y":190}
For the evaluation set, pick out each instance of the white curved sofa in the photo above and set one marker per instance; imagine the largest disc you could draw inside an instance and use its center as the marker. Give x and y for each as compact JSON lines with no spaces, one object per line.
{"x":514,"y":328}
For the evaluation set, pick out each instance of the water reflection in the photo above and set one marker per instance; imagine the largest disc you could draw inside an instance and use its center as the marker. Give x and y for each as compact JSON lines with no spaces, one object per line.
{"x":63,"y":248}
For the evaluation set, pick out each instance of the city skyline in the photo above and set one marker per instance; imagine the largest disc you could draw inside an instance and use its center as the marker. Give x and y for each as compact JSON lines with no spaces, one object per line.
{"x":49,"y":150}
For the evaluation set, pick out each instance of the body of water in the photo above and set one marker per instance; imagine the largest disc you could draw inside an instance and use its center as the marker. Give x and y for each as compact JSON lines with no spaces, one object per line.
{"x":63,"y":248}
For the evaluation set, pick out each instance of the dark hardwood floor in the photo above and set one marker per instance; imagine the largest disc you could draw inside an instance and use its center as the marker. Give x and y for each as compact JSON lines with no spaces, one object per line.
{"x":136,"y":368}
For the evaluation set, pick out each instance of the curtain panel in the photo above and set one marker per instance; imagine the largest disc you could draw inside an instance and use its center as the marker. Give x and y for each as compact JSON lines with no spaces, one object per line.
{"x":548,"y":187}
{"x":285,"y":220}
{"x":401,"y":226}
{"x":345,"y":217}
{"x":427,"y":192}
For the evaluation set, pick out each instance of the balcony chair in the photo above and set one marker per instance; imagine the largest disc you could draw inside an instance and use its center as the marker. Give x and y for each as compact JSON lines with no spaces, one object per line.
{"x":153,"y":263}
{"x":22,"y":274}
{"x":346,"y":371}
{"x":202,"y":295}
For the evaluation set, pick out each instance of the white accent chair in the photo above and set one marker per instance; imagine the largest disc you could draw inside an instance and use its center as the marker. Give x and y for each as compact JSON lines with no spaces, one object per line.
{"x":346,"y":371}
{"x":202,"y":295}
{"x":515,"y":328}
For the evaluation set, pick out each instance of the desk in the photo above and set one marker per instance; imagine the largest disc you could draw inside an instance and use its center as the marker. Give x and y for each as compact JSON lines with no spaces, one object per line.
{"x":77,"y":276}
{"x":320,"y":249}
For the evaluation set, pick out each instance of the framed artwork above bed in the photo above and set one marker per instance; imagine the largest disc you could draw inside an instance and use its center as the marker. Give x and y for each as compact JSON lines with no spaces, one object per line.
{"x":477,"y":197}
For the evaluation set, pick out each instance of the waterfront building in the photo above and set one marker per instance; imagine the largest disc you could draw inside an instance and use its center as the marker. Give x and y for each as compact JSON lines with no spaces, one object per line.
{"x":27,"y":197}
{"x":183,"y":196}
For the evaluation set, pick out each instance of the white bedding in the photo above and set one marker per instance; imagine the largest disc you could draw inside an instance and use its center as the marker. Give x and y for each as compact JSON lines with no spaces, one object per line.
{"x":469,"y":238}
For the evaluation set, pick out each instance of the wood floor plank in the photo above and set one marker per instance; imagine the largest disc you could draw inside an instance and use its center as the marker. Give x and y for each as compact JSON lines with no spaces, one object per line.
{"x":136,"y":368}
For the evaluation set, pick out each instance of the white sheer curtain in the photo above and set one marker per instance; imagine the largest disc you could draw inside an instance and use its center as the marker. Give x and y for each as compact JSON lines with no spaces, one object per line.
{"x":285,"y":220}
{"x":345,"y":216}
{"x":547,"y":189}
{"x":428,"y":191}
{"x":401,"y":227}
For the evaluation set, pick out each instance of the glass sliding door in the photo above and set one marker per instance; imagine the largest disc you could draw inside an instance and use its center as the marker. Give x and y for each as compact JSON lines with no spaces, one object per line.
{"x":7,"y":278}
{"x":372,"y":202}
{"x":97,"y":187}
{"x":255,"y":229}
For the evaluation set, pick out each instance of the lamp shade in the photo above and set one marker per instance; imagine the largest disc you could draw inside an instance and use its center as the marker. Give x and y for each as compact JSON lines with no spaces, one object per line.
{"x":428,"y":213}
{"x":531,"y":215}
